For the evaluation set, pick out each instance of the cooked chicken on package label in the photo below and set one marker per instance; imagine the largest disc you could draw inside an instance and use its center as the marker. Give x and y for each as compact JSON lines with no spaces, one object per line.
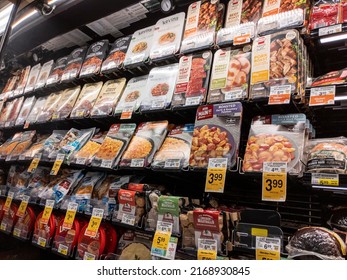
{"x":74,"y":64}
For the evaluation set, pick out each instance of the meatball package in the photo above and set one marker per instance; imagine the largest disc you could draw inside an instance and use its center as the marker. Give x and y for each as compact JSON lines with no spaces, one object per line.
{"x":230,"y":76}
{"x":25,"y":110}
{"x":44,"y":73}
{"x":192,"y":80}
{"x":275,"y":64}
{"x":147,"y":140}
{"x":200,"y":26}
{"x":276,"y":138}
{"x":108,"y":98}
{"x":73,"y":64}
{"x":57,"y":71}
{"x":49,"y":108}
{"x":133,"y":94}
{"x":216,"y":134}
{"x":175,"y":150}
{"x":94,"y":57}
{"x":327,"y":155}
{"x":160,"y":88}
{"x":66,"y":103}
{"x":116,"y":55}
{"x":139,"y":48}
{"x":167,"y":36}
{"x":33,"y":76}
{"x":114,"y":144}
{"x":86,"y":100}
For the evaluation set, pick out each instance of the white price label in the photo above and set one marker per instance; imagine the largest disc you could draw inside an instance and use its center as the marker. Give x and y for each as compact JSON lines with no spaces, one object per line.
{"x":325,"y":179}
{"x":158,"y":104}
{"x":81,"y":161}
{"x":207,"y":244}
{"x":268,"y":248}
{"x":172,"y":163}
{"x":88,"y":256}
{"x":275,"y":167}
{"x":98,"y":212}
{"x":106,"y":163}
{"x":41,"y":241}
{"x":140,"y":162}
{"x":87,"y":71}
{"x":49,"y":203}
{"x":280,"y":94}
{"x":128,"y":219}
{"x":192,"y":101}
{"x":62,"y":249}
{"x":233,"y":95}
{"x":164,"y":226}
{"x":65,"y":76}
{"x":322,"y":96}
{"x":329,"y":30}
{"x":218,"y":163}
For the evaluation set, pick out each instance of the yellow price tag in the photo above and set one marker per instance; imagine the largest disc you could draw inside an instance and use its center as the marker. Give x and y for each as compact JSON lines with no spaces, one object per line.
{"x":23,"y":206}
{"x":216,"y":172}
{"x":161,"y":240}
{"x":47,"y":211}
{"x":268,"y":248}
{"x":34,"y":163}
{"x":70,"y":215}
{"x":41,"y":242}
{"x":325,"y":179}
{"x":57,"y":164}
{"x":274,"y":186}
{"x":88,"y":256}
{"x":8,"y":201}
{"x":207,"y":255}
{"x":62,"y":249}
{"x":94,"y":222}
{"x":17,"y":232}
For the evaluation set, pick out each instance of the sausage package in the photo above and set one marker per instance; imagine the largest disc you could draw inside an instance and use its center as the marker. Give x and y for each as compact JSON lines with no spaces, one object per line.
{"x":25,"y":110}
{"x":57,"y":71}
{"x":200,"y":26}
{"x":230,"y":76}
{"x":66,"y":103}
{"x":133,"y":94}
{"x":192,"y":79}
{"x":74,"y":64}
{"x":167,"y":36}
{"x":139,"y":48}
{"x":33,"y":76}
{"x":86,"y":100}
{"x":146,"y":141}
{"x":108,"y":98}
{"x":95,"y":55}
{"x":160,"y":88}
{"x":116,"y":55}
{"x":216,"y":134}
{"x":44,"y":74}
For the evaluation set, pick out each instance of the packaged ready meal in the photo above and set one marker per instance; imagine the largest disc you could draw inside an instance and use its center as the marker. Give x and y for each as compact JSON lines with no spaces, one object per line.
{"x":275,"y":62}
{"x":200,"y":25}
{"x":160,"y":88}
{"x":108,"y":98}
{"x":23,"y":79}
{"x":10,"y":86}
{"x":114,"y":144}
{"x":95,"y":55}
{"x":331,"y":78}
{"x":16,"y":107}
{"x":116,"y":55}
{"x":68,"y":181}
{"x":230,"y":76}
{"x":66,"y":103}
{"x":251,"y":10}
{"x":34,"y":74}
{"x":74,"y":64}
{"x":216,"y":134}
{"x":36,"y":110}
{"x":175,"y":150}
{"x":50,"y":107}
{"x":44,"y":74}
{"x":5,"y":112}
{"x":25,"y":110}
{"x":167,"y":36}
{"x":146,"y":141}
{"x":86,"y":100}
{"x":51,"y":144}
{"x":7,"y":147}
{"x":133,"y":94}
{"x":26,"y":140}
{"x":139,"y":48}
{"x":275,"y":138}
{"x":192,"y":79}
{"x":35,"y":148}
{"x":57,"y":71}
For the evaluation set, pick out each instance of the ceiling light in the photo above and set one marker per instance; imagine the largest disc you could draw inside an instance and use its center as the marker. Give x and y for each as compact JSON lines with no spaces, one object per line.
{"x":23,"y":18}
{"x":333,"y":38}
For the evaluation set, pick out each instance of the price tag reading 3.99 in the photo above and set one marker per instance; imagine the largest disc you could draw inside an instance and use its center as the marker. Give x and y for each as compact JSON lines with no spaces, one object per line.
{"x":216,"y":172}
{"x":274,"y":181}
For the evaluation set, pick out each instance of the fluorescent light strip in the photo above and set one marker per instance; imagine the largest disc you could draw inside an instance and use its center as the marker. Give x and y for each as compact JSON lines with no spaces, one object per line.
{"x":333,"y":38}
{"x":23,"y":18}
{"x":340,"y":98}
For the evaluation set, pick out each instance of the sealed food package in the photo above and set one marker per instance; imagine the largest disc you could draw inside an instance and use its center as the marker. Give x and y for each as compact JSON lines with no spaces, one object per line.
{"x":275,"y":62}
{"x":167,"y":36}
{"x":331,"y":78}
{"x":133,"y":94}
{"x":13,"y":175}
{"x":327,"y":155}
{"x":5,"y":112}
{"x":25,"y":110}
{"x":68,"y":181}
{"x":26,"y":140}
{"x":169,"y":211}
{"x":146,"y":141}
{"x":95,"y":55}
{"x":216,"y":134}
{"x":139,"y":48}
{"x":175,"y":150}
{"x":17,"y":105}
{"x":108,"y":98}
{"x":57,"y":71}
{"x":116,"y":55}
{"x":24,"y":226}
{"x":74,"y":64}
{"x":33,"y":76}
{"x":200,"y":26}
{"x":7,"y":147}
{"x":86,"y":100}
{"x":10,"y":86}
{"x":37,"y":109}
{"x":192,"y":79}
{"x":233,"y":14}
{"x":51,"y":144}
{"x":23,"y":79}
{"x":9,"y":218}
{"x":85,"y":155}
{"x":230,"y":76}
{"x":135,"y":245}
{"x":318,"y":242}
{"x":35,"y":148}
{"x":44,"y":74}
{"x":50,"y":107}
{"x":66,"y":103}
{"x":276,"y":138}
{"x":90,"y":248}
{"x":251,"y":10}
{"x":281,"y":6}
{"x":114,"y":144}
{"x":220,"y":19}
{"x":160,"y":88}
{"x":38,"y":181}
{"x":324,"y":14}
{"x":44,"y":232}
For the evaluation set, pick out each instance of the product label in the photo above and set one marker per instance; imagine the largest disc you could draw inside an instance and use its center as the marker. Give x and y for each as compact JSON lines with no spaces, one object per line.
{"x":243,"y":35}
{"x":216,"y":172}
{"x":41,"y":241}
{"x":47,"y":211}
{"x":191,"y":27}
{"x":128,"y":219}
{"x":127,"y":112}
{"x":325,"y":179}
{"x":57,"y":164}
{"x":260,"y":60}
{"x":279,"y":95}
{"x":207,"y":220}
{"x":271,"y":7}
{"x":70,"y":215}
{"x":330,"y":30}
{"x":183,"y":74}
{"x":62,"y":249}
{"x":233,"y":16}
{"x":106,"y":163}
{"x":94,"y":222}
{"x":207,"y":249}
{"x":17,"y":232}
{"x":220,"y":69}
{"x":172,"y":163}
{"x":127,"y":206}
{"x":233,"y":95}
{"x":268,"y":248}
{"x":34,"y":163}
{"x":88,"y":256}
{"x":161,"y":239}
{"x":23,"y":206}
{"x":3,"y":226}
{"x":274,"y":181}
{"x":204,"y":112}
{"x":322,"y":96}
{"x":81,"y":161}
